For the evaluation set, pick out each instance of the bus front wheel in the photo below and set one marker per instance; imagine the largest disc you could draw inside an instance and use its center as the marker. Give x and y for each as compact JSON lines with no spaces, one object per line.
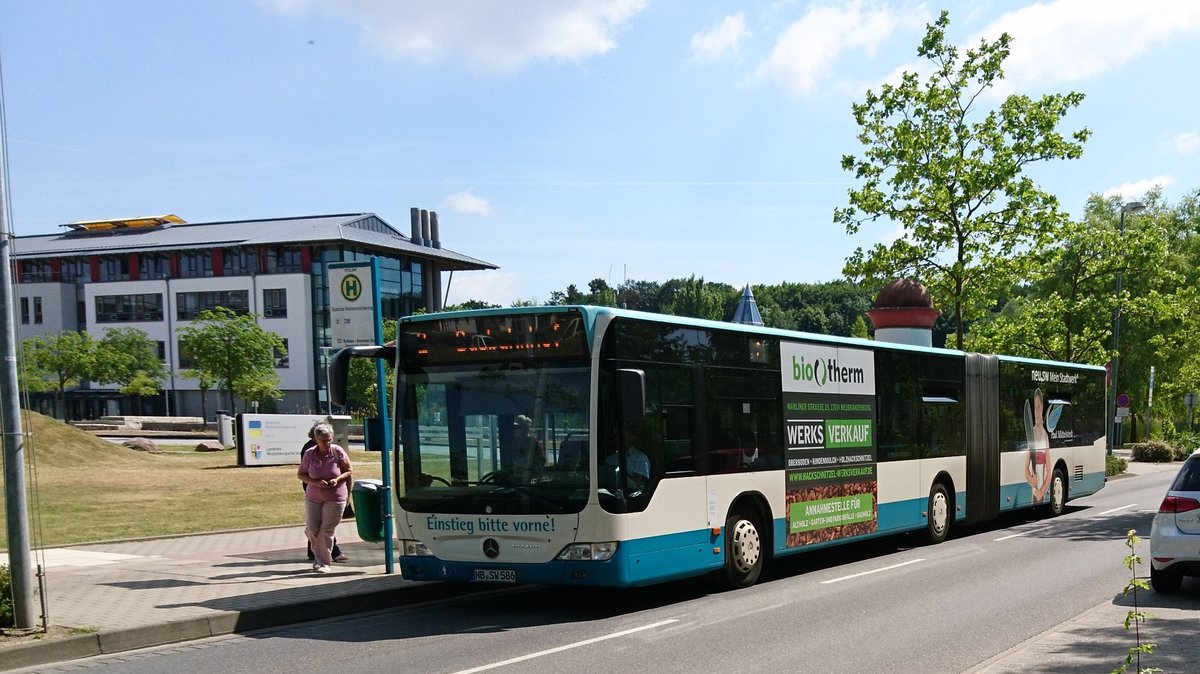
{"x":743,"y":549}
{"x":937,"y":524}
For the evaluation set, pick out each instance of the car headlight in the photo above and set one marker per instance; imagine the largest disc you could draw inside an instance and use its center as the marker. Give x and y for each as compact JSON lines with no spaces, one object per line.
{"x":412,"y":548}
{"x":588,"y":552}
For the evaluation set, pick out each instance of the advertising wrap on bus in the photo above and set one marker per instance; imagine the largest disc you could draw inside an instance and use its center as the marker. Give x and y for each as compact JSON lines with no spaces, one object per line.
{"x":829,"y":411}
{"x":585,"y":445}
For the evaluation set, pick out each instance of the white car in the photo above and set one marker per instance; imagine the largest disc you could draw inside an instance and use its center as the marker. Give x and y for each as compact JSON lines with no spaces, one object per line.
{"x":1175,"y":534}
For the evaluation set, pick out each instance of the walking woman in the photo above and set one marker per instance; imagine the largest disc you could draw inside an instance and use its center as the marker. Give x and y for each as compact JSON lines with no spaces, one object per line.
{"x":325,"y":469}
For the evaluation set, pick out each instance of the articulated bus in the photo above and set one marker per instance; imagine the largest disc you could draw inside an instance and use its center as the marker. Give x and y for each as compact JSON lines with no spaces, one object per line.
{"x":582,"y":445}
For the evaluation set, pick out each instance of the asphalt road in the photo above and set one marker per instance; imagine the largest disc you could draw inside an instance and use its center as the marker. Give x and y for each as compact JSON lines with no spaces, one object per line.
{"x":884,"y":606}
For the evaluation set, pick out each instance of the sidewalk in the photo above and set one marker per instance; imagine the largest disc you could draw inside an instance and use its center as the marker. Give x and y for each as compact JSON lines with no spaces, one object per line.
{"x":144,"y":593}
{"x":147,"y":593}
{"x":1096,"y":640}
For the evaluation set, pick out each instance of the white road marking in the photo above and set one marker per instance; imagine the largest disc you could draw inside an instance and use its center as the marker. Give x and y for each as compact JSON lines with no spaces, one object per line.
{"x":867,"y":573}
{"x":1114,"y":510}
{"x":1021,"y":533}
{"x":567,"y":647}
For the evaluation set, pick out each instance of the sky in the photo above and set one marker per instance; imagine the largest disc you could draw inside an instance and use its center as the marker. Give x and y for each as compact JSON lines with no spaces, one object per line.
{"x":561,"y":140}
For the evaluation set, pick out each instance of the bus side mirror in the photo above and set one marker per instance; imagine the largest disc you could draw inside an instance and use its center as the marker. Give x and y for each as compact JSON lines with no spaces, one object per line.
{"x":631,"y":390}
{"x":339,"y":367}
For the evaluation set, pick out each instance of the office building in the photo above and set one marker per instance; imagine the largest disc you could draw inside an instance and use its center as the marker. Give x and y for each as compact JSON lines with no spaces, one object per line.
{"x":158,"y":273}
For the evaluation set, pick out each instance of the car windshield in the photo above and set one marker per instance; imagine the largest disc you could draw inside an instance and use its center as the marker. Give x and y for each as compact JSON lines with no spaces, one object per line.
{"x":494,"y":438}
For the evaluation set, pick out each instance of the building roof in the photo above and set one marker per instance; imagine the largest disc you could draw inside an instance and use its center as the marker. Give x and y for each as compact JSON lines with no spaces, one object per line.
{"x":364,"y":229}
{"x":747,"y":309}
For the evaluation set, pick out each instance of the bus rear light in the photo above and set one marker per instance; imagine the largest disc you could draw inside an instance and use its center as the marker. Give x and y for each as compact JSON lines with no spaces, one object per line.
{"x":588,"y":552}
{"x":412,"y":548}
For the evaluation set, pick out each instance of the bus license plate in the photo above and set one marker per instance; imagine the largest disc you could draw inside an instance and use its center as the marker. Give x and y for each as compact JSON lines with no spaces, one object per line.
{"x":494,"y":576}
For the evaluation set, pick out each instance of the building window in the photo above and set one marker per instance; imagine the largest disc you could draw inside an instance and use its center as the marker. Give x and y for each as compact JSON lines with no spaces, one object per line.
{"x":114,"y":268}
{"x":36,"y":271}
{"x":37,"y":310}
{"x":281,"y":357}
{"x":195,"y":264}
{"x":239,"y":262}
{"x":76,"y":268}
{"x":25,"y":311}
{"x":274,"y":303}
{"x":162,"y":350}
{"x":189,"y":305}
{"x":154,"y":266}
{"x":128,"y":308}
{"x":284,"y":261}
{"x":186,"y":360}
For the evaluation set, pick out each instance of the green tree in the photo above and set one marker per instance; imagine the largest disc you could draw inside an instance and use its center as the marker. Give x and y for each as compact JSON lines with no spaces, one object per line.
{"x":953,"y":176}
{"x":58,"y":362}
{"x":1160,"y":304}
{"x":1066,"y":312}
{"x":233,"y":352}
{"x":693,"y":297}
{"x":362,"y":396}
{"x":128,"y":358}
{"x":470,"y":304}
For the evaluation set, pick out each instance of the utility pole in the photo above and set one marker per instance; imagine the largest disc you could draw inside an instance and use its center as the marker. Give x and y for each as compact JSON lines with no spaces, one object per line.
{"x":15,"y":500}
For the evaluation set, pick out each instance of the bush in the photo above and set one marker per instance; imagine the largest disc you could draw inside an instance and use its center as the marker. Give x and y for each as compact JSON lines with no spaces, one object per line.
{"x":1154,"y":451}
{"x":1114,"y":465}
{"x":6,"y":607}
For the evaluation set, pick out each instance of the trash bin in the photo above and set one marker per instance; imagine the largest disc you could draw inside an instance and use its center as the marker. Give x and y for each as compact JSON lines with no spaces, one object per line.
{"x":367,"y":496}
{"x":226,"y":424}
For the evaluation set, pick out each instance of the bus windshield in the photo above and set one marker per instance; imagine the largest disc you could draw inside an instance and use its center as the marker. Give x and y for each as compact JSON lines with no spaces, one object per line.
{"x":495,"y":438}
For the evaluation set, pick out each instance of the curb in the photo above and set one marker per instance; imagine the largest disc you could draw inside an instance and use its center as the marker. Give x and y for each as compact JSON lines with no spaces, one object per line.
{"x":227,"y":622}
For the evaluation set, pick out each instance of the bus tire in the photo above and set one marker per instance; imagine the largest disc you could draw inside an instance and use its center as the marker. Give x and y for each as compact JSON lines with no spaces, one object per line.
{"x":743,"y":548}
{"x":937,"y":521}
{"x":1058,"y":495}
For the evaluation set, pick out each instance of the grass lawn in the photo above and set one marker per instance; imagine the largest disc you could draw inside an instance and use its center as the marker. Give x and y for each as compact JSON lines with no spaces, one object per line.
{"x":81,"y":488}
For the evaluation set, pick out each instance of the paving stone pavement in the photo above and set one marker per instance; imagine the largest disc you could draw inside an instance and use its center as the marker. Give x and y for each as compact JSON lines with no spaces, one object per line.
{"x":144,"y":593}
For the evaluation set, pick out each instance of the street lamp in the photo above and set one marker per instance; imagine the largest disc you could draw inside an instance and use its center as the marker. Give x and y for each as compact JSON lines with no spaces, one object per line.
{"x":1114,"y":437}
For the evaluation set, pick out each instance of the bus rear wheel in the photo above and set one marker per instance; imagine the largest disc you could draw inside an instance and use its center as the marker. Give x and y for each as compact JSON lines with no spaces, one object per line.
{"x":937,"y":521}
{"x":743,"y":549}
{"x":1058,"y":495}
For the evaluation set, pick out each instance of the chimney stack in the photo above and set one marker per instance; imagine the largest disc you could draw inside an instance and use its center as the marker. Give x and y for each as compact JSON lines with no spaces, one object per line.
{"x":415,"y":216}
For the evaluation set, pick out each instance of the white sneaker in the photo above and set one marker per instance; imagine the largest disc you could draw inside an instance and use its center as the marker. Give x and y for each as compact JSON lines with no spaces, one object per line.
{"x":322,"y":568}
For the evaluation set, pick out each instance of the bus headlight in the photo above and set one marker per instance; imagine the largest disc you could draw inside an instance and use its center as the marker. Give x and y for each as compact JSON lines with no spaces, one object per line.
{"x":588,"y":552}
{"x":414,"y":549}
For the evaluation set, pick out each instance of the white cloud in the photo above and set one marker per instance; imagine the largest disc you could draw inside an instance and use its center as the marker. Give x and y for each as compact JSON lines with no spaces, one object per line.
{"x":493,"y":286}
{"x":724,"y":37}
{"x":1074,"y":40}
{"x":1138,"y":188}
{"x":1186,"y":142}
{"x":496,"y":36}
{"x":809,"y":48}
{"x":466,"y":203}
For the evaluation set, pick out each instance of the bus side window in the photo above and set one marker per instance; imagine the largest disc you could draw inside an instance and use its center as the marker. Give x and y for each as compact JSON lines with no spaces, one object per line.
{"x":677,"y":438}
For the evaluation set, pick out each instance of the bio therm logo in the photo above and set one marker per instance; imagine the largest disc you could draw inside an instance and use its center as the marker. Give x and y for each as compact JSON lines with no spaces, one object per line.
{"x":823,"y":369}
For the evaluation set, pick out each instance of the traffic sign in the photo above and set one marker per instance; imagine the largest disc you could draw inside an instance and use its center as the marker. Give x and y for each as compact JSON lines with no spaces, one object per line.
{"x":1122,"y":400}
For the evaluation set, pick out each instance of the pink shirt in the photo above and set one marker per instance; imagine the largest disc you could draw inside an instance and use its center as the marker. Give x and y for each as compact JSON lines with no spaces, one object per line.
{"x":325,"y":467}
